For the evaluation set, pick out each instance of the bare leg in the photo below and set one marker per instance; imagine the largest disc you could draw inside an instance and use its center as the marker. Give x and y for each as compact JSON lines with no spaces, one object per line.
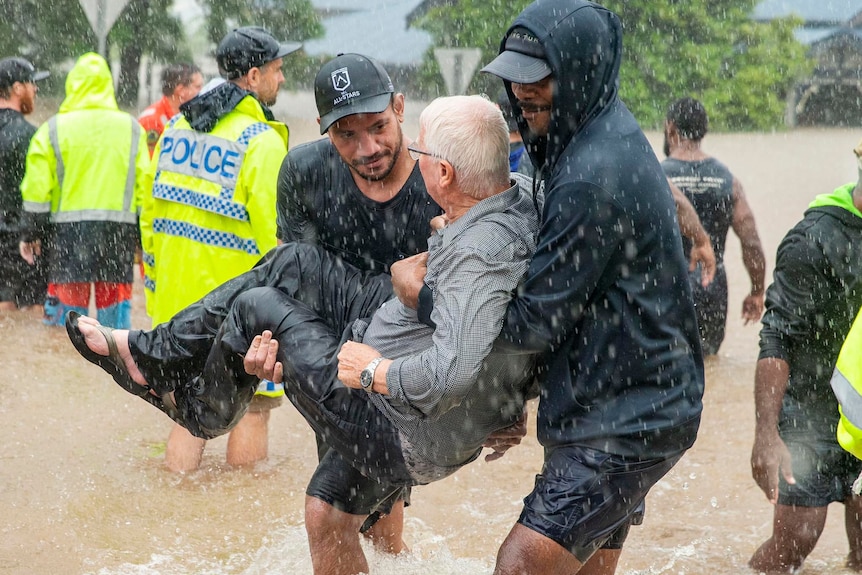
{"x":248,"y":442}
{"x":98,"y":344}
{"x":184,"y":451}
{"x":387,"y":535}
{"x":8,"y":306}
{"x":603,"y":562}
{"x":333,"y":539}
{"x":853,"y":526}
{"x":795,"y":531}
{"x":525,"y":552}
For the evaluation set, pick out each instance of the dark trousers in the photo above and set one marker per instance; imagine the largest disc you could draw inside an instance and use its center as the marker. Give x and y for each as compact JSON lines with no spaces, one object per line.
{"x":308,"y":299}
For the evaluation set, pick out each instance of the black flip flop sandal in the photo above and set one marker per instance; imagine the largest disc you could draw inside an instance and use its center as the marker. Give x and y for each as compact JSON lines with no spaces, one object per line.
{"x":113,"y":364}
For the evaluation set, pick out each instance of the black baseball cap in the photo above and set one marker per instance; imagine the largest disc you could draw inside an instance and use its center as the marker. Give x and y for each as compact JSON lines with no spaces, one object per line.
{"x":18,"y":70}
{"x":249,"y":47}
{"x":522,"y":59}
{"x":351,"y":84}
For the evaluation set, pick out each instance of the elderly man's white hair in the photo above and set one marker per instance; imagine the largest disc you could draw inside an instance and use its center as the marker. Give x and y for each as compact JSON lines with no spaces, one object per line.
{"x":471,"y":134}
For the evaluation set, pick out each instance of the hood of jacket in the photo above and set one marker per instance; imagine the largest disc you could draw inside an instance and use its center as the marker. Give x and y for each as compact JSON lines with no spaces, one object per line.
{"x":583,"y":47}
{"x":89,"y":85}
{"x":840,"y":198}
{"x":205,"y":110}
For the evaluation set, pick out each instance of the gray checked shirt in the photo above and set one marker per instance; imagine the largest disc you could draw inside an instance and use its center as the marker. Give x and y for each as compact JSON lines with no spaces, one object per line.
{"x":447,"y":390}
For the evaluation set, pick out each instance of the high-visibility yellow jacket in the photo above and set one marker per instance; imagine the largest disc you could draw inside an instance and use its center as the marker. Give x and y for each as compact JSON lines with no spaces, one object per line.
{"x":210,"y":215}
{"x":86,"y":169}
{"x":847,"y":385}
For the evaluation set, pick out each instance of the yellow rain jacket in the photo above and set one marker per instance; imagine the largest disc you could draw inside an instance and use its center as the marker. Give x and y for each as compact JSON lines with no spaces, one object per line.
{"x":210,"y":215}
{"x":85,"y":175}
{"x":847,"y":385}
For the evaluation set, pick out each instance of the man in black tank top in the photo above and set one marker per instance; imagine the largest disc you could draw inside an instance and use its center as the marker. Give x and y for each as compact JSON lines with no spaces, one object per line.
{"x":720,"y":202}
{"x":359,"y":195}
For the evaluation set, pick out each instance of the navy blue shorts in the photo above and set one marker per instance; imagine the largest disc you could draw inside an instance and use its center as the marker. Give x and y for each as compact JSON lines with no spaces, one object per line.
{"x":586,"y":499}
{"x":824,"y":472}
{"x":338,"y":483}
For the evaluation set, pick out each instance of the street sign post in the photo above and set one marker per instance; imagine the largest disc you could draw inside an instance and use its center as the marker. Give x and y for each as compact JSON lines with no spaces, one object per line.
{"x":102,"y":14}
{"x":457,"y":66}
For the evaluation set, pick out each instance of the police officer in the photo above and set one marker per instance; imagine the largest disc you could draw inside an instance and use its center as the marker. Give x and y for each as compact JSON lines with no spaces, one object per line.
{"x":210,"y":215}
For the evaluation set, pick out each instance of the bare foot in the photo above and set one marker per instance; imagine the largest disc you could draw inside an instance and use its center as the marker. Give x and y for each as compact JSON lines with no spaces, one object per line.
{"x":99,"y":345}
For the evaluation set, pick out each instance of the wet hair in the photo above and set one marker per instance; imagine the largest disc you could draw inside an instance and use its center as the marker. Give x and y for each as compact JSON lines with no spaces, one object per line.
{"x":470,"y":133}
{"x":689,"y":117}
{"x":179,"y":74}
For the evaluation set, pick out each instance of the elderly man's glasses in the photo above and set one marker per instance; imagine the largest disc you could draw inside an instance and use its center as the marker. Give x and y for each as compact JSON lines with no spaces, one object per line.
{"x":416,"y":152}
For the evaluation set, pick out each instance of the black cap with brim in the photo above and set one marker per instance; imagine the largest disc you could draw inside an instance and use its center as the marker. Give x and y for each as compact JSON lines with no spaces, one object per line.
{"x":518,"y":68}
{"x":286,"y":48}
{"x":522,"y":60}
{"x":351,"y":84}
{"x":41,"y":75}
{"x":369,"y":105}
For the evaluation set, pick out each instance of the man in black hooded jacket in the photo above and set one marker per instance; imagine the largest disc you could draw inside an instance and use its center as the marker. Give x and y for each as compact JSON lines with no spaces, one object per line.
{"x":605,"y":302}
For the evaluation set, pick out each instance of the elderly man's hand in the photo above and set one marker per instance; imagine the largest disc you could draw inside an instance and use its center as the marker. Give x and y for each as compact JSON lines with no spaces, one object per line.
{"x":352,"y":359}
{"x":500,"y":441}
{"x":408,"y":275}
{"x":261,"y":358}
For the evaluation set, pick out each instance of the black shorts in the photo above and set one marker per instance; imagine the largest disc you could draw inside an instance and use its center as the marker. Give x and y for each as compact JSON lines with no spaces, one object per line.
{"x":586,"y":499}
{"x":339,"y":484}
{"x":824,"y":472}
{"x":20,"y":282}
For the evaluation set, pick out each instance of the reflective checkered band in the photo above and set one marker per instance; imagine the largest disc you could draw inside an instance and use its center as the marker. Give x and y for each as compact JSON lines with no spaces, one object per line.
{"x":205,"y":236}
{"x":252,"y":131}
{"x":149,"y":284}
{"x":220,"y":206}
{"x":149,"y":259}
{"x":244,"y":138}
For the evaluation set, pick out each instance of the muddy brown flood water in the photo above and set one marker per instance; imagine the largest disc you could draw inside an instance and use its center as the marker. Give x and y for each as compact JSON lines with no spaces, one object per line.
{"x":83,"y":488}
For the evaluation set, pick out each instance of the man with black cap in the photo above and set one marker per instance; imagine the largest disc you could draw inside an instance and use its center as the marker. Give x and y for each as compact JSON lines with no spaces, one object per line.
{"x":606,"y":301}
{"x":212,"y":203}
{"x":21,"y":285}
{"x":359,"y":195}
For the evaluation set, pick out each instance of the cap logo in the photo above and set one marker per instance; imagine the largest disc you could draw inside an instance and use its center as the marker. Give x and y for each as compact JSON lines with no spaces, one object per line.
{"x":341,"y":79}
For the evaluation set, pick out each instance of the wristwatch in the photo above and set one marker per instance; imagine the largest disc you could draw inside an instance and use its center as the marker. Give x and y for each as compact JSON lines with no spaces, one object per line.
{"x":366,"y":378}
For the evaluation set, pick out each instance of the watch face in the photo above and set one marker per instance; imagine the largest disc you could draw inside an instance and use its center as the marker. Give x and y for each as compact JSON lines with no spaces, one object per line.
{"x":365,"y":379}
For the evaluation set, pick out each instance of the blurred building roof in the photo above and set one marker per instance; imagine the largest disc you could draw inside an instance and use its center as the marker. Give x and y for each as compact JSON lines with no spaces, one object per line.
{"x":832,"y":30}
{"x":375,"y":28}
{"x":815,"y":13}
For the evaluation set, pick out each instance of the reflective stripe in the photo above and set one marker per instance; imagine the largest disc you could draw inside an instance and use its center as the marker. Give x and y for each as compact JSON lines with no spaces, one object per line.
{"x":270,"y":389}
{"x":205,"y":236}
{"x":129,"y":195}
{"x":244,"y":138}
{"x":133,"y":164}
{"x":54,"y":136}
{"x":149,"y":283}
{"x":148,"y":259}
{"x":37,"y":207}
{"x":222,"y":207}
{"x":95,"y":216}
{"x":849,"y":398}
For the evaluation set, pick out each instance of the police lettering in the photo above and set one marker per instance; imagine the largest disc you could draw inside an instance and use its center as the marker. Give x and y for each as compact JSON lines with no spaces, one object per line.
{"x":214,"y":158}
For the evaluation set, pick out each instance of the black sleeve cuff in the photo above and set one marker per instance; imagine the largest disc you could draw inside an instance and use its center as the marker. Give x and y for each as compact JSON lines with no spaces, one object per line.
{"x":426,"y":306}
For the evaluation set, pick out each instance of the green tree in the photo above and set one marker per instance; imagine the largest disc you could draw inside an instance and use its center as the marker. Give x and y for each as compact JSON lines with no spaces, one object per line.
{"x":145,"y":27}
{"x":740,"y":69}
{"x":44,"y":36}
{"x":293,"y":20}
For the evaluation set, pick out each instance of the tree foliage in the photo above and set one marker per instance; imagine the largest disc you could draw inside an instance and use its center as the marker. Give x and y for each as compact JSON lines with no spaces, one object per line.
{"x":740,"y":69}
{"x":293,"y":20}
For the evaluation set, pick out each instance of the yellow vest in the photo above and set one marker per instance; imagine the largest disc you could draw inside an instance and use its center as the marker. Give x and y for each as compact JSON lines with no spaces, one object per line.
{"x":211,"y":213}
{"x":847,"y":384}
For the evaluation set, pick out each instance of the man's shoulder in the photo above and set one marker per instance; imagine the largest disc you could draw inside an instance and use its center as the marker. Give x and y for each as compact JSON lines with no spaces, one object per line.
{"x":311,"y":153}
{"x":14,"y":125}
